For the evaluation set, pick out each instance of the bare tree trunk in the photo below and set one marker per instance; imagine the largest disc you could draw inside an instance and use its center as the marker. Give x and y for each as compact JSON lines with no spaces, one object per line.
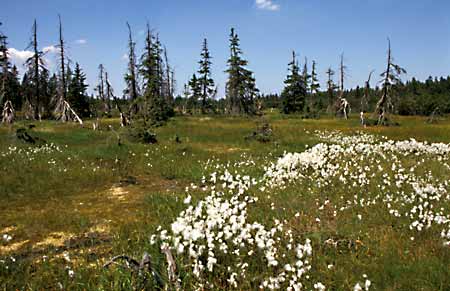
{"x":342,"y":68}
{"x":365,"y":99}
{"x":36,"y":72}
{"x":8,"y":113}
{"x":132,"y":71}
{"x":381,"y":104}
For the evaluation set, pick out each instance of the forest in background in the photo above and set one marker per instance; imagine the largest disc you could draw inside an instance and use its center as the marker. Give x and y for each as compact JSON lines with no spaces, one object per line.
{"x":150,"y":95}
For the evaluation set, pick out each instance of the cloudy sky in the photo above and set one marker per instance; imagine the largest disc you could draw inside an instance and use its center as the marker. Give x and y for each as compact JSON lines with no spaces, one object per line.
{"x":321,"y":30}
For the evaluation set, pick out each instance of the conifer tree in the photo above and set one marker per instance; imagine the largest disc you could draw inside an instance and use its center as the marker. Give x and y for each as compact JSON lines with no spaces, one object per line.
{"x":156,"y":107}
{"x":240,"y":87}
{"x":306,"y":76}
{"x":294,"y":92}
{"x":76,"y":93}
{"x":205,"y":81}
{"x":314,"y":87}
{"x":195,"y":92}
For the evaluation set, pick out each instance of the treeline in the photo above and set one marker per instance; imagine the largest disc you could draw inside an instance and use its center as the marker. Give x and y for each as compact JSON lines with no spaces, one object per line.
{"x":150,"y":95}
{"x":410,"y":98}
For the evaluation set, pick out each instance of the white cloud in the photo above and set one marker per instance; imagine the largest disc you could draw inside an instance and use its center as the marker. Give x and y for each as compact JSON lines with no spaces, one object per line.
{"x":124,"y":57}
{"x":19,"y":57}
{"x":81,"y":41}
{"x":267,"y":5}
{"x":50,"y":49}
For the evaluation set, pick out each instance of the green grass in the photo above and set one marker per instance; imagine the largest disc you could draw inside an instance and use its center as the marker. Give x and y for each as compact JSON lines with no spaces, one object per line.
{"x":80,"y":202}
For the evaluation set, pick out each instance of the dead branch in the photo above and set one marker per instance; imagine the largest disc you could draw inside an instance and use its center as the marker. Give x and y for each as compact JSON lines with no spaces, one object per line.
{"x":172,"y":269}
{"x":8,"y":113}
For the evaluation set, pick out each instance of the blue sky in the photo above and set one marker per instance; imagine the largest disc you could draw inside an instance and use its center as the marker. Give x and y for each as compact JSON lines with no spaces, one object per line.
{"x":269,"y":30}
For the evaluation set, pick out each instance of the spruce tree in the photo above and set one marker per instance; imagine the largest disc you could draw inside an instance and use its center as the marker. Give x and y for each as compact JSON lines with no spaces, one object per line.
{"x":294,"y":92}
{"x":156,"y":109}
{"x":195,"y":92}
{"x":205,"y":81}
{"x":240,"y":87}
{"x":314,"y":87}
{"x":76,"y":93}
{"x":306,"y":76}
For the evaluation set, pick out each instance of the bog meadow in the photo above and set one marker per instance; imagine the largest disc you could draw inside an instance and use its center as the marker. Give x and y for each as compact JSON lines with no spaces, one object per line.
{"x":333,"y":182}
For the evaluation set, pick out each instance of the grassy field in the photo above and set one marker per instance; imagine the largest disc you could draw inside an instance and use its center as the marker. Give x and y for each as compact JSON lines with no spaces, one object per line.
{"x":68,"y":207}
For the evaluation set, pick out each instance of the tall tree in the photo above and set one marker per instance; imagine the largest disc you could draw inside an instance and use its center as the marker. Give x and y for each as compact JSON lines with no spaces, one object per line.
{"x":5,"y":66}
{"x":390,"y":77}
{"x":131,"y":89}
{"x":306,"y":76}
{"x":62,"y":69}
{"x":168,"y":84}
{"x":294,"y":92}
{"x":195,"y":93}
{"x":151,"y":69}
{"x":240,"y":87}
{"x":314,"y":81}
{"x":109,"y":94}
{"x":76,"y":93}
{"x":102,"y":89}
{"x":365,"y":97}
{"x":63,"y":110}
{"x":35,"y":66}
{"x":206,"y":83}
{"x":342,"y":74}
{"x":331,"y":87}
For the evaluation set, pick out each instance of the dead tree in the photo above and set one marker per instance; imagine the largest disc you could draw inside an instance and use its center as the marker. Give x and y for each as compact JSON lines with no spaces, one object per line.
{"x":390,"y":77}
{"x":109,"y":94}
{"x":124,"y":117}
{"x":331,"y":86}
{"x":131,"y":76}
{"x":342,"y":74}
{"x":344,"y":107}
{"x":172,"y":269}
{"x":8,"y":113}
{"x":36,"y":63}
{"x":365,"y":98}
{"x":101,"y":88}
{"x":168,"y":75}
{"x":63,"y":110}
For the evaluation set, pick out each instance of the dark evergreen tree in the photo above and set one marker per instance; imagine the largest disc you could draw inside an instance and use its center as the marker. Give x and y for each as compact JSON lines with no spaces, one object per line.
{"x":306,"y":76}
{"x":45,"y":94}
{"x":294,"y":92}
{"x":314,"y":87}
{"x":76,"y":93}
{"x":240,"y":88}
{"x":206,"y":83}
{"x":195,"y":93}
{"x":156,"y":109}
